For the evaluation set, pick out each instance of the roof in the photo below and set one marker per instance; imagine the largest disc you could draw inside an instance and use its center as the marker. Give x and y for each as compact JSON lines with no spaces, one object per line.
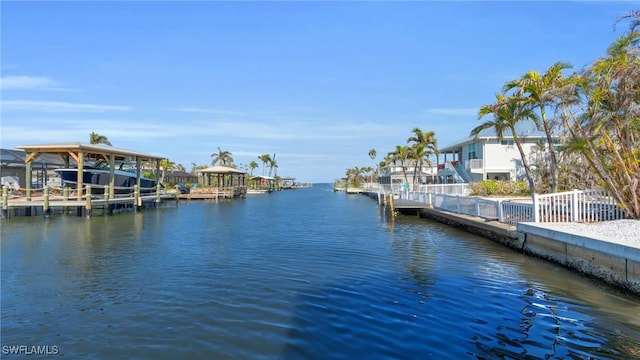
{"x":16,"y":158}
{"x":85,"y":147}
{"x":221,"y":170}
{"x":524,"y":129}
{"x":262,"y":177}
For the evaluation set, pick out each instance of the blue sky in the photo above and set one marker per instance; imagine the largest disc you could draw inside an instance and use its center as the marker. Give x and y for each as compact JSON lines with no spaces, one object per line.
{"x":318,"y":84}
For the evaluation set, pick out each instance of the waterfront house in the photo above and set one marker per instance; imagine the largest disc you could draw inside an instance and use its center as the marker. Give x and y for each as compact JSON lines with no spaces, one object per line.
{"x":393,"y":175}
{"x":484,"y":157}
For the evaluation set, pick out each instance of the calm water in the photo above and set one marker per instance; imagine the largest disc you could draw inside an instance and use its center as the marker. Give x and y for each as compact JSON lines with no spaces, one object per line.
{"x":297,"y":274}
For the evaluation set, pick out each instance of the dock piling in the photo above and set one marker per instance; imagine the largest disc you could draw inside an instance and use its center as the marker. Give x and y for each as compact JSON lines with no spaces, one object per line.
{"x":5,"y":202}
{"x":107,"y":207}
{"x":88,"y":204}
{"x":137,"y":204}
{"x":45,"y":205}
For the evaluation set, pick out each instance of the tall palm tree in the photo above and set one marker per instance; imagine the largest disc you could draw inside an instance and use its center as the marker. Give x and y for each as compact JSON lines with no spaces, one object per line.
{"x":372,"y":155}
{"x":507,"y":112}
{"x":608,"y":132}
{"x":273,"y":165}
{"x":265,"y":158}
{"x":540,"y":91}
{"x":252,"y":166}
{"x":223,"y":157}
{"x":424,"y":146}
{"x":401,"y":155}
{"x":95,"y":138}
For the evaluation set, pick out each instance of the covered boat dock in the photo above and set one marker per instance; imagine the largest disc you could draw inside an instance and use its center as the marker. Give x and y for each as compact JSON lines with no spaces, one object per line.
{"x":78,"y":153}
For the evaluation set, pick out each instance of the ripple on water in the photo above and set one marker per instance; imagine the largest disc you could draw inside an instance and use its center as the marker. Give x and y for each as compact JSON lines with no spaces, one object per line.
{"x":309,"y":275}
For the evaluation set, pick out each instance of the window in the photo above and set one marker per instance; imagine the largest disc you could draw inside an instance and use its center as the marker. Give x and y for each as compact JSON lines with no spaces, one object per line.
{"x":471,"y":151}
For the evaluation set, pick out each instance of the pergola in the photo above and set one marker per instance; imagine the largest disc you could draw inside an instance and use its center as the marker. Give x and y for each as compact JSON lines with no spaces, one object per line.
{"x":225,"y":176}
{"x":79,"y":151}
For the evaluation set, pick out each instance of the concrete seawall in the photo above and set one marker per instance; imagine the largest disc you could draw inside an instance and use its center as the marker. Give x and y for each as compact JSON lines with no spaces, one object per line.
{"x":613,"y":262}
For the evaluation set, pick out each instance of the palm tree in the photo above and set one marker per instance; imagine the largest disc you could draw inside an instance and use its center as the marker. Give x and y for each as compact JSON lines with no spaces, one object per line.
{"x":540,"y":91}
{"x":181,"y":167}
{"x":400,"y":154}
{"x":165,"y":164}
{"x":252,"y":166}
{"x":372,"y":155}
{"x":424,"y":146}
{"x":95,"y":138}
{"x":635,"y":19}
{"x":265,"y":158}
{"x":273,"y":165}
{"x":507,"y":112}
{"x":223,"y":157}
{"x":608,"y":132}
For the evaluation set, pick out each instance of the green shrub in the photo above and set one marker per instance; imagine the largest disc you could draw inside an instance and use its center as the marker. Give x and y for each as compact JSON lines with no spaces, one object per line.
{"x":500,"y":187}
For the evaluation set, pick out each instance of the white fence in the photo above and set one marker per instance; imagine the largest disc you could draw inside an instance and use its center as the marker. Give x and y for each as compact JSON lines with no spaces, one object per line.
{"x":576,"y":206}
{"x":571,"y":206}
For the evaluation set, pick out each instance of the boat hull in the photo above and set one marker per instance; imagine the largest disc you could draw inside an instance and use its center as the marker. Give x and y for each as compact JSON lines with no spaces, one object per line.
{"x":96,"y":177}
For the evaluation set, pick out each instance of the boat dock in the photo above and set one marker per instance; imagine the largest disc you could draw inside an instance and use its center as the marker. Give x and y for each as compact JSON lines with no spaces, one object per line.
{"x":44,"y":203}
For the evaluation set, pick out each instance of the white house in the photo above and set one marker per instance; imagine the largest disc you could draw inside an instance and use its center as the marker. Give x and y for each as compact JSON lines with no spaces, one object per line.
{"x":485,"y":157}
{"x":393,"y":175}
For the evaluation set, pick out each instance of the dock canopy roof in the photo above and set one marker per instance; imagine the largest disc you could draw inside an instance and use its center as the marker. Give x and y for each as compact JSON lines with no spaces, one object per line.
{"x":262,"y":177}
{"x":221,"y":170}
{"x":76,"y":147}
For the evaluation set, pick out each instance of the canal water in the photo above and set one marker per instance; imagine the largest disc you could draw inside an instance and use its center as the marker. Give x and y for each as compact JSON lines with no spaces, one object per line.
{"x":296,"y":274}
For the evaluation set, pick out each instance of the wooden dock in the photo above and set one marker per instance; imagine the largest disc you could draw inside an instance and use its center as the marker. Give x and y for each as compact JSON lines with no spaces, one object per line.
{"x":44,"y":203}
{"x":214,"y":193}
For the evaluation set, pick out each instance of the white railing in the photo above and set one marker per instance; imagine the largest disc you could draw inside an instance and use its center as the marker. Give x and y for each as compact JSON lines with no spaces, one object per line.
{"x":571,"y":206}
{"x":449,"y":189}
{"x":576,"y":206}
{"x":474,"y":164}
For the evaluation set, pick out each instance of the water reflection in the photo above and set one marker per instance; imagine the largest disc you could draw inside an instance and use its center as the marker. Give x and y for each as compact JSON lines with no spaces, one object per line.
{"x":527,"y":308}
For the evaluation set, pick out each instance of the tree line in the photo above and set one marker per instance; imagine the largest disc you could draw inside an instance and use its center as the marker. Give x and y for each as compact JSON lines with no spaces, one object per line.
{"x":590,"y":118}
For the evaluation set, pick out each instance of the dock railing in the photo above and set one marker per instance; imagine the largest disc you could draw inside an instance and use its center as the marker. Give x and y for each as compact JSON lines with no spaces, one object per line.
{"x":87,"y":197}
{"x":571,"y":206}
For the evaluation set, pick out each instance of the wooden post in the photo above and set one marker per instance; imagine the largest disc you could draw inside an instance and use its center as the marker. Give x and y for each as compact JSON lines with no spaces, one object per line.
{"x":107,"y":206}
{"x":136,"y":197}
{"x":392,"y":203}
{"x":88,"y":203}
{"x":28,"y":180}
{"x":158,"y":192}
{"x":65,"y":197}
{"x":45,"y":206}
{"x":5,"y":202}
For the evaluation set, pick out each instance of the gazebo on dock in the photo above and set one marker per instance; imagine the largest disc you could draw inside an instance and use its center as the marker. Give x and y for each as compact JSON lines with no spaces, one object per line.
{"x":230,"y":181}
{"x":77,"y":153}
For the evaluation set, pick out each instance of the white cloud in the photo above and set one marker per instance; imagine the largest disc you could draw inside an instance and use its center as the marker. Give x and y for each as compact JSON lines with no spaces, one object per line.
{"x":57,"y":106}
{"x":31,"y":83}
{"x":27,"y":82}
